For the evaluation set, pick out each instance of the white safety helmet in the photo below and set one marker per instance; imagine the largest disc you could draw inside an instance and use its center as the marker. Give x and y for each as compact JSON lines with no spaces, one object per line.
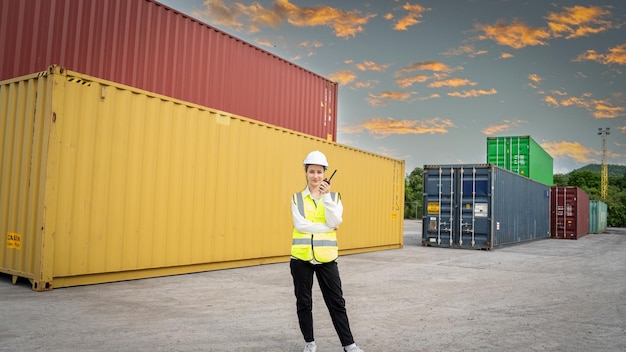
{"x":316,"y":158}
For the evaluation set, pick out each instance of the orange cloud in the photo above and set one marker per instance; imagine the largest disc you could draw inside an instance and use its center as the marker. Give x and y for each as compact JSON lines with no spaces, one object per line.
{"x":572,"y":22}
{"x":440,"y":73}
{"x":517,"y":35}
{"x":384,"y":98}
{"x":264,"y":42}
{"x":384,"y":127}
{"x":395,"y":95}
{"x":409,"y":81}
{"x":343,"y":77}
{"x":579,"y":21}
{"x":439,"y":69}
{"x":603,"y":111}
{"x":464,"y":50}
{"x":345,"y":24}
{"x":616,"y":55}
{"x":572,"y":150}
{"x":473,"y":93}
{"x":506,"y":56}
{"x":432,"y":96}
{"x":598,"y":108}
{"x":315,"y":44}
{"x":366,"y":84}
{"x":412,"y":18}
{"x":434,"y":66}
{"x":454,"y":82}
{"x":535,"y":78}
{"x":221,"y":14}
{"x":550,"y":100}
{"x":582,"y":102}
{"x":371,"y":66}
{"x":506,"y":126}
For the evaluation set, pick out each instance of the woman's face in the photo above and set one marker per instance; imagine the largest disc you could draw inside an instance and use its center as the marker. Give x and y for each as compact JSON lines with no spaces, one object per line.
{"x":314,"y":175}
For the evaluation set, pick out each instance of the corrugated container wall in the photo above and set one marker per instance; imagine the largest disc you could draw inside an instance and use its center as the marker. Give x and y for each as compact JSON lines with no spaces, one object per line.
{"x":144,"y":44}
{"x":522,"y":155}
{"x":569,"y":210}
{"x":102,"y":182}
{"x":482,"y":207}
{"x":597,"y":216}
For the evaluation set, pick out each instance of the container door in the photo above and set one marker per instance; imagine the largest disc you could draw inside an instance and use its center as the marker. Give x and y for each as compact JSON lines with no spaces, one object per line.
{"x":474,"y":226}
{"x":456,"y":207}
{"x":439,"y":217}
{"x":593,"y":216}
{"x":510,"y":153}
{"x":520,"y":151}
{"x":564,"y":212}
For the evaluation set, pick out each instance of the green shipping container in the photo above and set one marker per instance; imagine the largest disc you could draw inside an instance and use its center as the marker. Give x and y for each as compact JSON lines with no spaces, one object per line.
{"x":597,"y":216}
{"x":522,"y":155}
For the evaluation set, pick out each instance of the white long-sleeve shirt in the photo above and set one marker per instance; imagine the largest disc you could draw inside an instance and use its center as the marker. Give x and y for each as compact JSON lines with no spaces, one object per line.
{"x":334,"y":215}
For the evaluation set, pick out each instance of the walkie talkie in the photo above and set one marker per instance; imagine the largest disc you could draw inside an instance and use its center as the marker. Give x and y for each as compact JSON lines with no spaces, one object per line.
{"x":331,"y":177}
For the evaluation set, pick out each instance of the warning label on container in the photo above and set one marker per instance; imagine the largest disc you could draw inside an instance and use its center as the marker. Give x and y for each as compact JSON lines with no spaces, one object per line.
{"x":14,"y":240}
{"x":433,"y":208}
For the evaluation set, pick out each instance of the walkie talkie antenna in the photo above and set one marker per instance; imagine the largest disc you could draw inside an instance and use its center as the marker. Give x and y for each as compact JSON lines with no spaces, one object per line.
{"x":331,"y":176}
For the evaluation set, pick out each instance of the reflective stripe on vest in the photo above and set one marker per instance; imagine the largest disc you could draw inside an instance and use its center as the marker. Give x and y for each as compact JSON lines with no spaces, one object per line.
{"x":322,"y":246}
{"x":307,"y":241}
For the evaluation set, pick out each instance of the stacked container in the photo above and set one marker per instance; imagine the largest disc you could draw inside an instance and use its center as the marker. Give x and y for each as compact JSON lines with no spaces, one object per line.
{"x":144,"y":44}
{"x":597,"y":216}
{"x":521,"y":155}
{"x":102,"y":182}
{"x":569,"y":212}
{"x":482,"y":207}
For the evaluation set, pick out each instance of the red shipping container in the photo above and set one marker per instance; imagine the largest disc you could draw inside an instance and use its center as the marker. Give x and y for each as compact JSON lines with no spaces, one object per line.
{"x":569,"y":212}
{"x":147,"y":45}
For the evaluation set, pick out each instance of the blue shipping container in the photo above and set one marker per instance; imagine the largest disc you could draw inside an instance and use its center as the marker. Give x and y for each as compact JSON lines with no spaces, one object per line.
{"x":482,"y":206}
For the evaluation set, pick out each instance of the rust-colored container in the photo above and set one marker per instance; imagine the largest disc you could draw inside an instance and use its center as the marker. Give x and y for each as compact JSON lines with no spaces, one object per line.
{"x":569,"y":212}
{"x":102,"y":182}
{"x":144,"y":44}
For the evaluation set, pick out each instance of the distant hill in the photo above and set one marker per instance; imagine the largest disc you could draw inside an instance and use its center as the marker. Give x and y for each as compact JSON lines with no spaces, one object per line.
{"x":613,"y":170}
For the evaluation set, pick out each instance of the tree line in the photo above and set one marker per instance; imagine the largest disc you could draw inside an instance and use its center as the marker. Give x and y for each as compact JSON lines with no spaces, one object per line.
{"x":588,"y":179}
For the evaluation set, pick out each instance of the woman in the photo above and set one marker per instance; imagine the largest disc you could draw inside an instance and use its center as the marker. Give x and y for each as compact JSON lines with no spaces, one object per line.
{"x":317,"y":213}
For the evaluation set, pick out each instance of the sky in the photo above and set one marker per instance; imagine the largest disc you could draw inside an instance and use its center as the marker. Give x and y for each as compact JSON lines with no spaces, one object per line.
{"x":427,"y":81}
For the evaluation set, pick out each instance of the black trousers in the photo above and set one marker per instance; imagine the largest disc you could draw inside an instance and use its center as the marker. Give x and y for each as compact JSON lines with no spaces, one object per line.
{"x":330,"y":284}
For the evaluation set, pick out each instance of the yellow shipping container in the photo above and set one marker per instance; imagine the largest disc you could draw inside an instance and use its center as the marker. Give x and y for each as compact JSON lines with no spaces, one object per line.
{"x":102,"y":182}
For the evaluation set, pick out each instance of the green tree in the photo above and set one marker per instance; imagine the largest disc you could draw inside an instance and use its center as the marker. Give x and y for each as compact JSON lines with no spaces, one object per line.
{"x":560,"y":180}
{"x":590,"y":182}
{"x":616,"y":201}
{"x":618,"y":181}
{"x":413,"y":194}
{"x":585,"y":179}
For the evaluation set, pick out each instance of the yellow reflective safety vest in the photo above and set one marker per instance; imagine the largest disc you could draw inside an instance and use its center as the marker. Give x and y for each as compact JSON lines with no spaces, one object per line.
{"x":319,"y":246}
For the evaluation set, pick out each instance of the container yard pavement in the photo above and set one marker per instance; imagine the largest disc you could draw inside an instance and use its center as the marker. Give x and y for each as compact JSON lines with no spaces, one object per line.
{"x":547,"y":295}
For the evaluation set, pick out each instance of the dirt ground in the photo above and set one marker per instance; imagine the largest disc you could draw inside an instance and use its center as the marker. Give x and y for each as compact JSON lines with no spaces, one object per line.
{"x":547,"y":295}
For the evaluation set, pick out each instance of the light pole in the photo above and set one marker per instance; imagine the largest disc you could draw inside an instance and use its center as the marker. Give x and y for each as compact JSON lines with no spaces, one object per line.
{"x":604,"y":178}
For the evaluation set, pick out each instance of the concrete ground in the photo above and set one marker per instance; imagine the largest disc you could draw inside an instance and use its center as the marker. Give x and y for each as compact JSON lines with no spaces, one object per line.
{"x":547,"y":295}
